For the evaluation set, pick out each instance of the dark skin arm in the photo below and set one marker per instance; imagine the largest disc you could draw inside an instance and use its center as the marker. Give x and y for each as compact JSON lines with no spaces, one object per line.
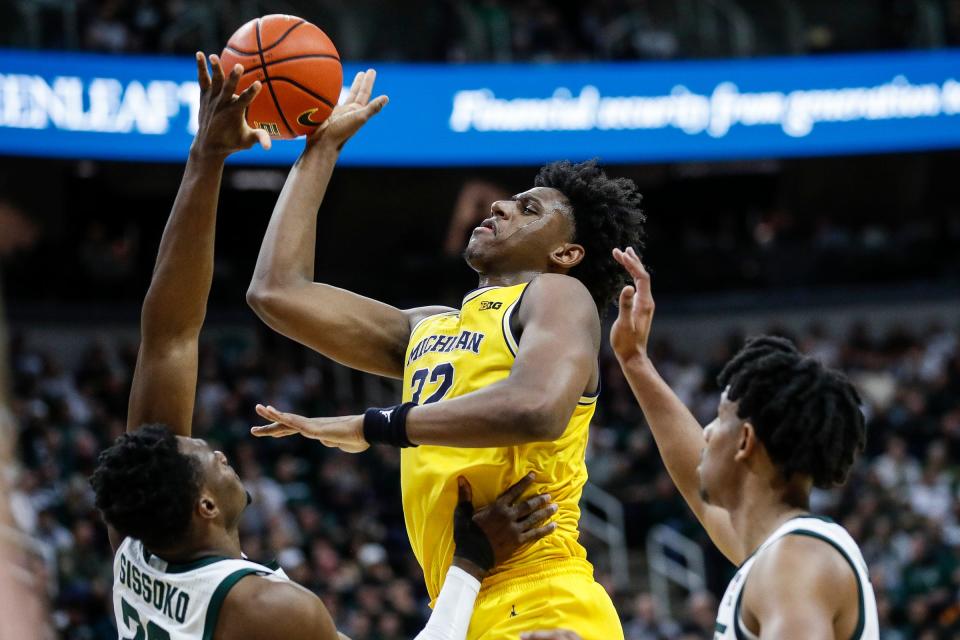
{"x":678,"y":435}
{"x":531,"y":406}
{"x":818,"y":601}
{"x":165,"y":379}
{"x":356,"y":331}
{"x":258,"y":608}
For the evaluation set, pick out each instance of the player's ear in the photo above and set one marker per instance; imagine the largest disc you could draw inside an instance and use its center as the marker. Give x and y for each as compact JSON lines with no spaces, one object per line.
{"x":207,"y":505}
{"x":746,"y":441}
{"x":567,"y":256}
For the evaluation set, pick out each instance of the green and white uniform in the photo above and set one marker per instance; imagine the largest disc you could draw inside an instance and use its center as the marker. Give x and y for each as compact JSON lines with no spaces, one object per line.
{"x":729,"y":621}
{"x":156,"y":600}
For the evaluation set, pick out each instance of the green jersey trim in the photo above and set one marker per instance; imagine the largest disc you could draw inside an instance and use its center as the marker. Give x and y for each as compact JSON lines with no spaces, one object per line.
{"x":861,"y":607}
{"x":183,"y":567}
{"x":216,"y":600}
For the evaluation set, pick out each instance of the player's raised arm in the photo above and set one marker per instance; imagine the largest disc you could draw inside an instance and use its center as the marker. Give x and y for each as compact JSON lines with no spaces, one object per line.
{"x":351,"y":329}
{"x":164,"y":383}
{"x":678,"y":435}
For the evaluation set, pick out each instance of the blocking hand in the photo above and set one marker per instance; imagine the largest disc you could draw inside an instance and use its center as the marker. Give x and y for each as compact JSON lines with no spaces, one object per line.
{"x":347,"y":118}
{"x":223,"y":127}
{"x":631,"y":330}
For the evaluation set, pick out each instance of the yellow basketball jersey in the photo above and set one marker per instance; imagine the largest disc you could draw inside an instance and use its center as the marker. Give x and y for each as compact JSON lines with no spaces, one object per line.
{"x":452,"y":354}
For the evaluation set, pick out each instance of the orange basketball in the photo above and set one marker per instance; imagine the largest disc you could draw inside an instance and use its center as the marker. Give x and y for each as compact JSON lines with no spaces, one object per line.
{"x":298,"y":66}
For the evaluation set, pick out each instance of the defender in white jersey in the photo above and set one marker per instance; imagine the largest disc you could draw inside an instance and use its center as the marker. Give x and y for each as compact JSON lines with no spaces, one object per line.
{"x":176,"y":600}
{"x":730,"y":624}
{"x":162,"y":600}
{"x":173,"y":505}
{"x":784,"y":425}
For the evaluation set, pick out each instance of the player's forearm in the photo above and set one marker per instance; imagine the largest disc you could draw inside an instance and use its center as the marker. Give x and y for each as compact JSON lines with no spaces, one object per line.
{"x":680,"y":440}
{"x":176,"y":301}
{"x":450,"y":619}
{"x":288,"y":251}
{"x":353,"y":330}
{"x":678,"y":435}
{"x":500,"y":415}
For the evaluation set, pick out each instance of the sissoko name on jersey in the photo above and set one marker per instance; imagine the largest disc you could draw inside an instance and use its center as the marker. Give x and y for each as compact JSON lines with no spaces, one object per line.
{"x":158,"y":600}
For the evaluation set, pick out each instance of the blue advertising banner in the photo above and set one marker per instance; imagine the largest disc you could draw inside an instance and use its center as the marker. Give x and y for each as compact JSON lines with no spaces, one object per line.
{"x":145,"y":108}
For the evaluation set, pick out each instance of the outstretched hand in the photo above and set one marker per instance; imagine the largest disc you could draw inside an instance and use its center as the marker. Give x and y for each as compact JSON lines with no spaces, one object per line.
{"x":222,"y":125}
{"x":344,"y":432}
{"x":488,"y":536}
{"x":347,"y":118}
{"x":631,"y":330}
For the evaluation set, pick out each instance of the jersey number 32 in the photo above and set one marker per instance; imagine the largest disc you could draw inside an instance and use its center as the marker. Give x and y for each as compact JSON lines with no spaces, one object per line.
{"x":442,"y":373}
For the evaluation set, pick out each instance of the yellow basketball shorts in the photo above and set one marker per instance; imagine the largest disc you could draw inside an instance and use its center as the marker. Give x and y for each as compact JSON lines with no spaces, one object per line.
{"x":561,"y":596}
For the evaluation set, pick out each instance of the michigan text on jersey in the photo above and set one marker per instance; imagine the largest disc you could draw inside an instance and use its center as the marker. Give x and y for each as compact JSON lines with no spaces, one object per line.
{"x":466,"y":341}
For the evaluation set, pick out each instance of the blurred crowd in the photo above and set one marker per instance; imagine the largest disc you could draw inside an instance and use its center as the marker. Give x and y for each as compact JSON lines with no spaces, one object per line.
{"x":802,"y":225}
{"x":773,"y":245}
{"x":498,"y":30}
{"x":334,"y":520}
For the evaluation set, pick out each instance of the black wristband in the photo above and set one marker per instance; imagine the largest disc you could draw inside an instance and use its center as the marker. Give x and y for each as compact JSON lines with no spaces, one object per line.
{"x":471,"y":543}
{"x":387,"y":425}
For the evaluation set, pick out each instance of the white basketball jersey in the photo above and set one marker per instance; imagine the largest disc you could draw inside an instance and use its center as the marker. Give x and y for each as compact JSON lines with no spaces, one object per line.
{"x":729,"y":622}
{"x":156,"y":600}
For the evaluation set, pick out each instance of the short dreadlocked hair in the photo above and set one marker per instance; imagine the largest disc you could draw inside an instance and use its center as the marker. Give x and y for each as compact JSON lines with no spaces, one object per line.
{"x":146,"y":487}
{"x":606,"y":214}
{"x":807,"y":416}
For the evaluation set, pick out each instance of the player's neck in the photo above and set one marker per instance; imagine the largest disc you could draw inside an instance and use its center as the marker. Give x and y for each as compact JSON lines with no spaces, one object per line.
{"x":219,"y":543}
{"x":763,"y":509}
{"x":506,"y":279}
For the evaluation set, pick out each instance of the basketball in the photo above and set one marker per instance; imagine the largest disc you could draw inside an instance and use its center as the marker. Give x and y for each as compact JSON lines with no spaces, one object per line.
{"x":298,"y":66}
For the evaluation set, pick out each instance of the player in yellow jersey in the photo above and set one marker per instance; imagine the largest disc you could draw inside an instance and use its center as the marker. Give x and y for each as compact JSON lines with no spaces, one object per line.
{"x":505,"y":384}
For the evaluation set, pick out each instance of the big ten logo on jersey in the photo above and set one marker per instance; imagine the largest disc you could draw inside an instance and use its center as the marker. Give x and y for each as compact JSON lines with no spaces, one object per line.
{"x":487,"y":305}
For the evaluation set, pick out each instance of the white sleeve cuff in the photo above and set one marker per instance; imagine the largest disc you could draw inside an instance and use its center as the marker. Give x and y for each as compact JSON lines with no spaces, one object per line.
{"x":450,"y":619}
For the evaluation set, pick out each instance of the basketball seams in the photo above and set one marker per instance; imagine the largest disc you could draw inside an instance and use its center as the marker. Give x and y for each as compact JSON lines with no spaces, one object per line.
{"x":266,"y":76}
{"x":259,"y":46}
{"x":239,"y":52}
{"x":300,"y":57}
{"x":311,"y":76}
{"x":307,"y":91}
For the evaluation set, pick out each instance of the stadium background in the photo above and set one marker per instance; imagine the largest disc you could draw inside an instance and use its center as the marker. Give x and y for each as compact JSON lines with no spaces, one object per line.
{"x":854,"y":256}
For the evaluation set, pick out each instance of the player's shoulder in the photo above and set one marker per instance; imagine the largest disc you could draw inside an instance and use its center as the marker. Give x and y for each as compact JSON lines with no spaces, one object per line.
{"x":559,"y":290}
{"x":559,"y":282}
{"x":418,"y":314}
{"x":812,"y":563}
{"x":799,"y":581}
{"x":262,"y":607}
